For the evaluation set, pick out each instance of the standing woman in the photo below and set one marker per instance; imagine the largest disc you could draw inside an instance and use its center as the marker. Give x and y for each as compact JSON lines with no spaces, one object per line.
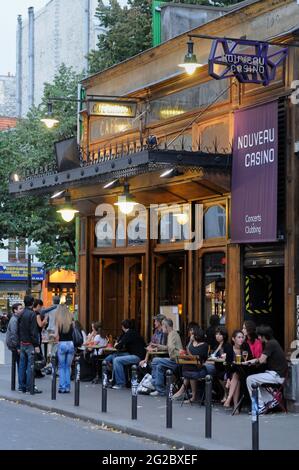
{"x":255,"y":344}
{"x":64,"y":334}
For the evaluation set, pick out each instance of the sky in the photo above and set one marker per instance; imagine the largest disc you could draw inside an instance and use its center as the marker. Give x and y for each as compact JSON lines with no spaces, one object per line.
{"x":8,"y":24}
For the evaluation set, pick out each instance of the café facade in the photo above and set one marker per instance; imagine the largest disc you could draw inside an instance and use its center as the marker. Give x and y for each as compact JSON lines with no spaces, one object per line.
{"x":211,"y":162}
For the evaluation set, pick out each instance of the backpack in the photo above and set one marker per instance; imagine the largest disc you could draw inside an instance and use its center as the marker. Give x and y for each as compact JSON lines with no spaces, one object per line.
{"x":77,"y":338}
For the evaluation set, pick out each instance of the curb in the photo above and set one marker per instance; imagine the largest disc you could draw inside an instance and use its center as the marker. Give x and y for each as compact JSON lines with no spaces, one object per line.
{"x":99,"y":422}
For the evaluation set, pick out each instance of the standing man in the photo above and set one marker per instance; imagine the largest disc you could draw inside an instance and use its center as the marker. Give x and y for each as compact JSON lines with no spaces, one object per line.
{"x":160,"y":365}
{"x":12,"y":335}
{"x":274,"y":359}
{"x":29,"y":341}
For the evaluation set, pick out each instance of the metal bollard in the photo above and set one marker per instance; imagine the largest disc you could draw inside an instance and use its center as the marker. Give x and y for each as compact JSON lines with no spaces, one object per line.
{"x":32,"y":375}
{"x":13,"y":370}
{"x":134,"y":385}
{"x":255,"y":417}
{"x":104,"y":386}
{"x":77,"y":381}
{"x":54,"y":377}
{"x":208,"y":405}
{"x":169,"y":387}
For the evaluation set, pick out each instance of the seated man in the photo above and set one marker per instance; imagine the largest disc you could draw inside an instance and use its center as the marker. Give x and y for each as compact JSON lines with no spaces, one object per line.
{"x":160,"y":365}
{"x":134,"y":347}
{"x":273,"y":357}
{"x":158,"y":338}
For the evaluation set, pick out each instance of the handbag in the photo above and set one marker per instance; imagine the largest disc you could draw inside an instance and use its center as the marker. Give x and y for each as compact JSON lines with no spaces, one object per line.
{"x":77,"y":338}
{"x":39,"y":361}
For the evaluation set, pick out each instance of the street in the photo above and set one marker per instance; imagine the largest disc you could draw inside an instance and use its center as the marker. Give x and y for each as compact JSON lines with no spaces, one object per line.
{"x":25,"y":428}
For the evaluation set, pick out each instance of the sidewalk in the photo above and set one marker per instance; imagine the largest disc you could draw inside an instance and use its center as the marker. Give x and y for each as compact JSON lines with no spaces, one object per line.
{"x":277,"y":431}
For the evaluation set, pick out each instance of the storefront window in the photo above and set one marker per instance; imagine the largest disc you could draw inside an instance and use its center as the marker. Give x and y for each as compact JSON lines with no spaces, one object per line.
{"x":214,"y":286}
{"x":215,"y":222}
{"x":174,"y":224}
{"x":104,"y":233}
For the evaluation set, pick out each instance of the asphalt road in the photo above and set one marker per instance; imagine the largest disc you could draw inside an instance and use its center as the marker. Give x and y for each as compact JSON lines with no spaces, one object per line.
{"x":25,"y":428}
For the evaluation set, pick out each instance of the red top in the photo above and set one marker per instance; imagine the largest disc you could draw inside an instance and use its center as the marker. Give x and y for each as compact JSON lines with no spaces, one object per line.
{"x":256,"y":348}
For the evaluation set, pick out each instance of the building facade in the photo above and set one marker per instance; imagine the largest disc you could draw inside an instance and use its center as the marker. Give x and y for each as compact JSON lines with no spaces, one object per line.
{"x":64,"y":31}
{"x":130,"y":267}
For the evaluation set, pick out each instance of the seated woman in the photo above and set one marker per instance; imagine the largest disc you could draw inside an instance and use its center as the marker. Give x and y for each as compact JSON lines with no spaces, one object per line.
{"x":240,"y":346}
{"x":255,"y":344}
{"x":224,"y":350}
{"x":191,"y":373}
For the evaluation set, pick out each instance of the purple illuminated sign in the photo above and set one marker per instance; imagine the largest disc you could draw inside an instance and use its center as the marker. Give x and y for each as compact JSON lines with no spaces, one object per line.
{"x":254,"y":175}
{"x":249,"y":61}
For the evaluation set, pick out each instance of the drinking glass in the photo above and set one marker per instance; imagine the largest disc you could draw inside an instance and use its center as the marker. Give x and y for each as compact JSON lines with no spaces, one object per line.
{"x":245,"y":355}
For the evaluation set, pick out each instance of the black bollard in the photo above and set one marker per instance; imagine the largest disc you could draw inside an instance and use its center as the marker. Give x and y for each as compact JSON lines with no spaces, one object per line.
{"x":13,"y":370}
{"x":255,"y":417}
{"x":208,"y":405}
{"x":32,"y":373}
{"x":134,"y":385}
{"x":54,"y":376}
{"x":77,"y":381}
{"x":104,"y":387}
{"x":169,"y":387}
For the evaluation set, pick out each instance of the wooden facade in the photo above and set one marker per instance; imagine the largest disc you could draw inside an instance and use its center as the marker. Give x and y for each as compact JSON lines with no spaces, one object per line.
{"x":118,"y":282}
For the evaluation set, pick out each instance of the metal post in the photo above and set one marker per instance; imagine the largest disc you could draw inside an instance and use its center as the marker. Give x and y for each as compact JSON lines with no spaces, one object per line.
{"x":134,"y":385}
{"x":208,"y":405}
{"x":32,"y":376}
{"x":169,"y":388}
{"x":13,"y":370}
{"x":255,"y":417}
{"x":54,"y":375}
{"x":77,"y":381}
{"x":104,"y":387}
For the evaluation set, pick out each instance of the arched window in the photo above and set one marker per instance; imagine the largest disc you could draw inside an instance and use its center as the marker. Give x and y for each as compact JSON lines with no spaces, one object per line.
{"x":215,"y":222}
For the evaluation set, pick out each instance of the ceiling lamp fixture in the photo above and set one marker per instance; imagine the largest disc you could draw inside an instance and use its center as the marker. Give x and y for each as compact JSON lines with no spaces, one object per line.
{"x":67,"y":211}
{"x":126,"y":201}
{"x":190,"y":63}
{"x":182,"y":218}
{"x":50,"y":121}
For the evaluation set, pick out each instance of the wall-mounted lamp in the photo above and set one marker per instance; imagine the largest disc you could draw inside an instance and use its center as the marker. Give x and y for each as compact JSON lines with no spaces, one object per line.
{"x":126,"y":201}
{"x":111,"y":184}
{"x":49,"y":120}
{"x":190,"y":63}
{"x":67,"y":211}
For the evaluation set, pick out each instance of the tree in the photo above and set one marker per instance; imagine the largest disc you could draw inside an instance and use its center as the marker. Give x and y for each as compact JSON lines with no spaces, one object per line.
{"x":128,"y":32}
{"x":30,"y":146}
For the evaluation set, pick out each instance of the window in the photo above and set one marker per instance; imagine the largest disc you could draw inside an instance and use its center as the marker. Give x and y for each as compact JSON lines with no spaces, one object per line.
{"x":170,"y":228}
{"x":214,"y":286}
{"x":215,"y":222}
{"x":22,"y":250}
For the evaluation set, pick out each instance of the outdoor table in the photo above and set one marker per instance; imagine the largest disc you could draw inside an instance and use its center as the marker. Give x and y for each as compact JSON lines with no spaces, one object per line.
{"x":242,"y":369}
{"x":158,"y":353}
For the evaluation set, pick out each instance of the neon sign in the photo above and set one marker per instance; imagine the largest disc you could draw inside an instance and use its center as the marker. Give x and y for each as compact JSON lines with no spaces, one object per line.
{"x":247,"y":60}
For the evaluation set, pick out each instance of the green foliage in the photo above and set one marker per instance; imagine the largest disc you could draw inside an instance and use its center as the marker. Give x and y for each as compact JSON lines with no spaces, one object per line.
{"x":128,"y":32}
{"x":30,"y":146}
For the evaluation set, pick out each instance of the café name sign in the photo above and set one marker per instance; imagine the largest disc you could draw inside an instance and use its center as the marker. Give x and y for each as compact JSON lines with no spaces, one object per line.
{"x":111,"y":108}
{"x":247,"y":60}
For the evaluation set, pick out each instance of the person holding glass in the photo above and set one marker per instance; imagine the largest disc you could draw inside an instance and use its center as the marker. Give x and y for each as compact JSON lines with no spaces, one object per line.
{"x":241,"y":350}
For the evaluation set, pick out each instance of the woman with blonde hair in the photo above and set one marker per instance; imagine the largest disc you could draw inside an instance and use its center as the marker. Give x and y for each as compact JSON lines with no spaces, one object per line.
{"x":64,"y":334}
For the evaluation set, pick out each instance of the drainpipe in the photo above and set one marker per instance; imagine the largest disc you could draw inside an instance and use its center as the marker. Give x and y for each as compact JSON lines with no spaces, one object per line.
{"x":86,"y":33}
{"x":31,"y":57}
{"x":19,"y":67}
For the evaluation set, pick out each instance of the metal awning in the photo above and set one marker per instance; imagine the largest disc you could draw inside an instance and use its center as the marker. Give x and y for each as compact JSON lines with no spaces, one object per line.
{"x":123,"y":166}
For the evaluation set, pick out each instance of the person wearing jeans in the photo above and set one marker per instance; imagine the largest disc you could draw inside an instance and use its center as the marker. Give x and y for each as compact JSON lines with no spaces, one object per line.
{"x":64,"y":334}
{"x":274,"y":358}
{"x":65,"y":356}
{"x":134,"y":346}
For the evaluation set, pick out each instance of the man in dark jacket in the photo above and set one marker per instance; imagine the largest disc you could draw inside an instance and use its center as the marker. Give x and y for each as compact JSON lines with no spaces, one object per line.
{"x":12,"y":335}
{"x":29,"y":341}
{"x":132,"y":350}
